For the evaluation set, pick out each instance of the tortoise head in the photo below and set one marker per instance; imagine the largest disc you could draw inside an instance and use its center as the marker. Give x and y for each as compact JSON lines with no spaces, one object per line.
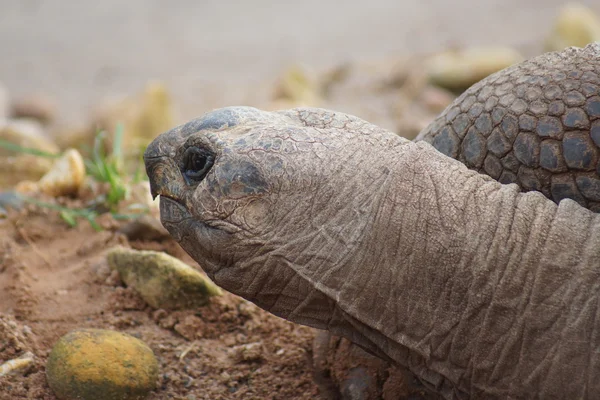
{"x":257,"y":197}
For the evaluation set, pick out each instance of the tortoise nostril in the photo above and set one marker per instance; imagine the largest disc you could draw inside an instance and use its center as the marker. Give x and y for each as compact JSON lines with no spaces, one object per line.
{"x":153,"y":151}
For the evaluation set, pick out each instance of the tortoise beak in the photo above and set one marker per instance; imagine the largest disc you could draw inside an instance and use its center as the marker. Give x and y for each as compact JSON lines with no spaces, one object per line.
{"x":153,"y":157}
{"x":155,"y":172}
{"x":163,"y":173}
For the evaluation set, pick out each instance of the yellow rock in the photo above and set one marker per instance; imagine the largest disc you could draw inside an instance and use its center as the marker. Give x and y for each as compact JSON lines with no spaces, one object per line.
{"x":22,"y":167}
{"x":15,"y":166}
{"x":66,"y":176}
{"x":156,"y":115}
{"x":459,"y":69}
{"x":26,"y":133}
{"x":143,"y":116}
{"x":576,"y":25}
{"x":95,"y":364}
{"x":161,"y":280}
{"x":335,"y":76}
{"x":38,"y":107}
{"x":296,"y":86}
{"x":27,"y":187}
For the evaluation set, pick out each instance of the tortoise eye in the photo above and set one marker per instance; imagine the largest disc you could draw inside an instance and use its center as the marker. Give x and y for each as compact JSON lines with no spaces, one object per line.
{"x":196,"y":164}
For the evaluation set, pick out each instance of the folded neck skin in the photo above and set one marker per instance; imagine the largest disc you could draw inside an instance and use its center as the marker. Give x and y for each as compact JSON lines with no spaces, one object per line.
{"x":474,"y":286}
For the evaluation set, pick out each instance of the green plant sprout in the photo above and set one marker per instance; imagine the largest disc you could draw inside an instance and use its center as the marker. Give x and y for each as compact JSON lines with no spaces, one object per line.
{"x":108,"y":168}
{"x":10,"y":146}
{"x":103,"y":167}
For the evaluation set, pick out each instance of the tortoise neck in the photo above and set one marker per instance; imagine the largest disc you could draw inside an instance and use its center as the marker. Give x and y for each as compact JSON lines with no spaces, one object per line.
{"x":459,"y":263}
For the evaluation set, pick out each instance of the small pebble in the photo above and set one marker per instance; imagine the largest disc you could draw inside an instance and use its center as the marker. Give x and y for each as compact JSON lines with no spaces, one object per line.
{"x":38,"y":107}
{"x":161,"y":280}
{"x":11,"y":199}
{"x":248,"y":352}
{"x":66,"y":175}
{"x":94,"y":364}
{"x":17,"y":166}
{"x":298,"y":87}
{"x":575,"y":25}
{"x":457,"y":70}
{"x":26,"y":133}
{"x":358,"y":385}
{"x":16,"y":365}
{"x":27,"y":187}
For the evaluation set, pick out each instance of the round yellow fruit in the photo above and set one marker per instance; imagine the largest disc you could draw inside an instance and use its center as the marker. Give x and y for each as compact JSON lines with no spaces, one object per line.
{"x":100,"y":364}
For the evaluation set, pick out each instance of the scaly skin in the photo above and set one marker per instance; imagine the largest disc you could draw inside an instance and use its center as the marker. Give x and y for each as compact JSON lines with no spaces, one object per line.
{"x":536,"y":124}
{"x":326,"y":220}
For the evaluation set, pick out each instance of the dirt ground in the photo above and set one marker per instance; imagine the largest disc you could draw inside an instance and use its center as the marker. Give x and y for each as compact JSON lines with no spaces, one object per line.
{"x":54,"y":279}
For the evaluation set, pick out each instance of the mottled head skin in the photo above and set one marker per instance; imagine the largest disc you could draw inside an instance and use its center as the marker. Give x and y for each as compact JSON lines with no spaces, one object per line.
{"x":321,"y":218}
{"x":274,"y":189}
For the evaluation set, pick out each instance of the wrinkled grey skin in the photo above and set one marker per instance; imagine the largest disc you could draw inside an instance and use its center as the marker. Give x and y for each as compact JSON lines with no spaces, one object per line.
{"x":536,"y":124}
{"x":326,"y":220}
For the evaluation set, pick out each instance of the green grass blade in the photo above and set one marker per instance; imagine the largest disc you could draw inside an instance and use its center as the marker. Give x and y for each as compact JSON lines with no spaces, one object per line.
{"x":69,"y":218}
{"x":69,"y":215}
{"x":10,"y":146}
{"x":117,"y":151}
{"x":92,"y":220}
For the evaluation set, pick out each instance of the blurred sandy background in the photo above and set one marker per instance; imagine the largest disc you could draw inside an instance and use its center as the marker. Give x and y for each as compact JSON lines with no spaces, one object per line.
{"x":216,"y":53}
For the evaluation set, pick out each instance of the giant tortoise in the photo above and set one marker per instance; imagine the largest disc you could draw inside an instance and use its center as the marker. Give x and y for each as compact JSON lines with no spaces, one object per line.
{"x":471,"y":256}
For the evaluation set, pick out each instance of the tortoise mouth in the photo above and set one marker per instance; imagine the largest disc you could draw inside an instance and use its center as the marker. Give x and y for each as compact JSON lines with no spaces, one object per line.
{"x":203,"y":242}
{"x":173,"y":214}
{"x":169,"y":198}
{"x":172,"y":211}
